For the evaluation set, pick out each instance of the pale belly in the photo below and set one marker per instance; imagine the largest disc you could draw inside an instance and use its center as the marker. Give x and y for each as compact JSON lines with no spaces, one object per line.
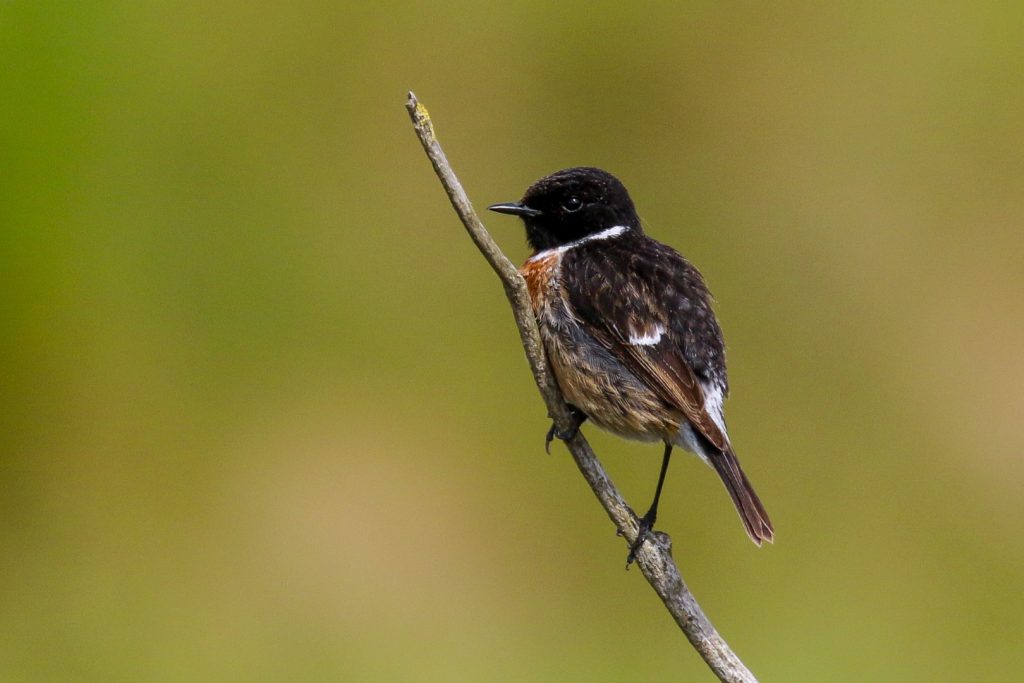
{"x":611,"y":396}
{"x":591,"y":379}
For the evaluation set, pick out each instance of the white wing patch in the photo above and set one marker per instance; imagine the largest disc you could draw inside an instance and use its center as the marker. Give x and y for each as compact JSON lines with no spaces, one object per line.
{"x":647,"y":337}
{"x":713,"y":405}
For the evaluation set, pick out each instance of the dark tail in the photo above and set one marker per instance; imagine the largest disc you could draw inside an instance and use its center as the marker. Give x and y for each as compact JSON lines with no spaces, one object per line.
{"x":752,"y":512}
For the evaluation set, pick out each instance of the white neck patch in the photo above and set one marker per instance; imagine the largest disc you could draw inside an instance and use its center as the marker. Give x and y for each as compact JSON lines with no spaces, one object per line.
{"x":608,"y":233}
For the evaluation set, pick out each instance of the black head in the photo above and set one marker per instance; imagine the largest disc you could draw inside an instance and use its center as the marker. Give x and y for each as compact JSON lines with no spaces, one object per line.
{"x":571,"y":204}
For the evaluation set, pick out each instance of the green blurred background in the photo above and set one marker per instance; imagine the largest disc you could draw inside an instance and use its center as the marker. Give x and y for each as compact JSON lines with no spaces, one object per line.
{"x":265,"y":414}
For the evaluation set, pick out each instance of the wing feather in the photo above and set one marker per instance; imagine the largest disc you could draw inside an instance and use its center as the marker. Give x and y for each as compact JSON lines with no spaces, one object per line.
{"x":616,"y":298}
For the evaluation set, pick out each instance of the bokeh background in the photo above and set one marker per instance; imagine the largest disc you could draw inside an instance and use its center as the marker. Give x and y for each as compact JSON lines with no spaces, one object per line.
{"x":265,"y":415}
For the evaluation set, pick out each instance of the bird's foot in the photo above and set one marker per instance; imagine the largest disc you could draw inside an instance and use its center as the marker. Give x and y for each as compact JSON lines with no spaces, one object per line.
{"x":646,"y":524}
{"x":578,"y":418}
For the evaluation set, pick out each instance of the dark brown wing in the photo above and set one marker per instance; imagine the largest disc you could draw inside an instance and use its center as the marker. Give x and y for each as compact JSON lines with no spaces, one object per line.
{"x":647,"y":305}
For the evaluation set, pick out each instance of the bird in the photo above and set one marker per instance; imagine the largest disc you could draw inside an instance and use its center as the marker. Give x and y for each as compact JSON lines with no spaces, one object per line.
{"x":629,"y":331}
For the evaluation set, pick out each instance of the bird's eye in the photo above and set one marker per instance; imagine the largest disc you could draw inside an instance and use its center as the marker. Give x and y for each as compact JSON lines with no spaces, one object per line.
{"x":572,"y":204}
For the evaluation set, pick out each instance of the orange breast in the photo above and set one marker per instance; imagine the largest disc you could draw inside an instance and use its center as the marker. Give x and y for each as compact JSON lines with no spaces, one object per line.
{"x":538,"y":274}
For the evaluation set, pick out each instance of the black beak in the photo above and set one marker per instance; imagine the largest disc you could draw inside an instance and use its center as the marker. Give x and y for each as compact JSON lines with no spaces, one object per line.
{"x":515,"y":208}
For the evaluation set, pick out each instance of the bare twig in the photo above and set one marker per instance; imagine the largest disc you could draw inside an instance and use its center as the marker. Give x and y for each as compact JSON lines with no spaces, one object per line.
{"x":655,"y":558}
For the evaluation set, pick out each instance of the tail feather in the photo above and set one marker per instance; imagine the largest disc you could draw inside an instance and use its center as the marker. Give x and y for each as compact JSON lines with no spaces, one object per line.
{"x":752,"y":512}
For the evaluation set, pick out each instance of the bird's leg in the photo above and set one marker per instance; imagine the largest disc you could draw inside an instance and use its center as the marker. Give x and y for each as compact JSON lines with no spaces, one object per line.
{"x":647,"y":521}
{"x":578,"y":418}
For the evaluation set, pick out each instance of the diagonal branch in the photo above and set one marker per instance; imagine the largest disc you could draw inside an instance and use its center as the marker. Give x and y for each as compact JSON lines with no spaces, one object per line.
{"x":655,"y":558}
